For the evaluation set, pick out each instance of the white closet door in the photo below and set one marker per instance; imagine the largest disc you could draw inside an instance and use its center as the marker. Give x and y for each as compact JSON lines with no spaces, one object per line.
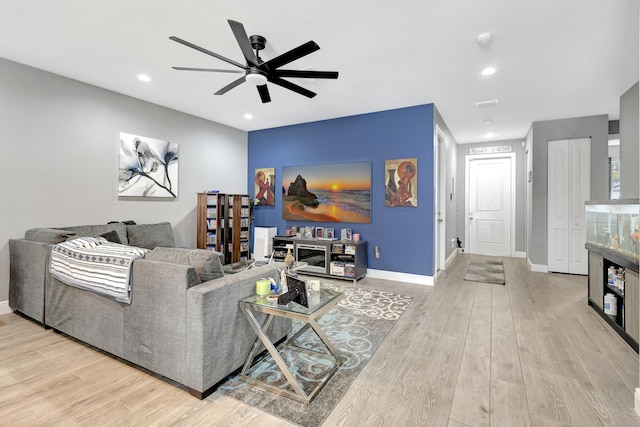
{"x":580,"y":192}
{"x":569,"y":186}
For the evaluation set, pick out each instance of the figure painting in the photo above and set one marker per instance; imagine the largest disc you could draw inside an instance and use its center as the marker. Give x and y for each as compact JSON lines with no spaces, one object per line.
{"x":265,"y":186}
{"x":148,"y":167}
{"x":401,"y":182}
{"x":338,"y":192}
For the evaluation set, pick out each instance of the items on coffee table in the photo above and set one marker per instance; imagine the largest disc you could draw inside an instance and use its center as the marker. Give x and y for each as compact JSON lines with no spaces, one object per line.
{"x":263,"y":287}
{"x":297,"y":292}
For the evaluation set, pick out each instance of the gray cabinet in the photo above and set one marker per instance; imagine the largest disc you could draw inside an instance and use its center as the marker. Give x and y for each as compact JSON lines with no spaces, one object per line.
{"x":596,"y":275}
{"x":625,"y":319}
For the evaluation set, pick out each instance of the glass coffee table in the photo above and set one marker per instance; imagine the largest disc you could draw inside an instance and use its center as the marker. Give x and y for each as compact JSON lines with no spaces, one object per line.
{"x":320,"y":303}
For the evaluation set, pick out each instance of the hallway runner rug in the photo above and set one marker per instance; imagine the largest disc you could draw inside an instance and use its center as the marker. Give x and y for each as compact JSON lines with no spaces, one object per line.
{"x":356,"y":327}
{"x":485,"y":271}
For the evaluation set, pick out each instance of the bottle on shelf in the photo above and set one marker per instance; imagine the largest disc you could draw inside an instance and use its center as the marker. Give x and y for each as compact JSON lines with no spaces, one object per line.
{"x":611,"y":275}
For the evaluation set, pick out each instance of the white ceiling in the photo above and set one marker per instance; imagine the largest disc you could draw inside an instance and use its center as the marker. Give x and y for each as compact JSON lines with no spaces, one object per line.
{"x":555,"y":58}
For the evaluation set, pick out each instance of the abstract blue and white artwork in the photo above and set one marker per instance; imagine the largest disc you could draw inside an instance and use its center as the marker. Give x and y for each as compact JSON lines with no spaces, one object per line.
{"x":148,"y":167}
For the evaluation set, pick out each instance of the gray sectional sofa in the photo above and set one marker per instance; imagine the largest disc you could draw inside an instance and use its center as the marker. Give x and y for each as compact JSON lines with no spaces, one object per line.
{"x":183,"y":321}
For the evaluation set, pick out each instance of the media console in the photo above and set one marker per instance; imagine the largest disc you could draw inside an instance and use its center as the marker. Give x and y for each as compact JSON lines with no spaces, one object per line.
{"x":340,"y":259}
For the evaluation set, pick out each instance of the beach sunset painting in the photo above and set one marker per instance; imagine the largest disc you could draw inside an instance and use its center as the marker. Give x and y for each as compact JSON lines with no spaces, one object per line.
{"x":337,"y":192}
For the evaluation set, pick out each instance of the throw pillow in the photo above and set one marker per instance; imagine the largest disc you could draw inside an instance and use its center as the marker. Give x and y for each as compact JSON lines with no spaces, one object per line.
{"x":111,"y":236}
{"x":150,"y":236}
{"x":206,"y":263}
{"x":48,"y":235}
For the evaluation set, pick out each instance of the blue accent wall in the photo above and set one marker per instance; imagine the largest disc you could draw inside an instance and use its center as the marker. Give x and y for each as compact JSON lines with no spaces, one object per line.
{"x":404,"y":235}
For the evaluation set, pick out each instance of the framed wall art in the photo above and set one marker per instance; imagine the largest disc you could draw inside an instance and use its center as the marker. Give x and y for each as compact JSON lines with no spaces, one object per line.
{"x":265,"y":187}
{"x":337,"y":192}
{"x":148,"y":167}
{"x":401,"y":182}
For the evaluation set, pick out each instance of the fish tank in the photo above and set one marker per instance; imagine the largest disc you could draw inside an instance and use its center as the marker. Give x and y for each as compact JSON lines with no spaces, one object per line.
{"x":614,"y":225}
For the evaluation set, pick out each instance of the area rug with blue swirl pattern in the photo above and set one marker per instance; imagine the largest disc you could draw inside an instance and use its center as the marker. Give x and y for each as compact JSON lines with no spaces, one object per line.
{"x":356,"y":327}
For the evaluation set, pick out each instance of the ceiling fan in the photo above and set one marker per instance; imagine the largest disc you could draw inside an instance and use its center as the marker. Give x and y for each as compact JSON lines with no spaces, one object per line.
{"x":260,"y":72}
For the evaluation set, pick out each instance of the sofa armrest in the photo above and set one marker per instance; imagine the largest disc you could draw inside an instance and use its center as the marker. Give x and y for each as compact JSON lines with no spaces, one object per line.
{"x":219,"y":336}
{"x":29,"y":263}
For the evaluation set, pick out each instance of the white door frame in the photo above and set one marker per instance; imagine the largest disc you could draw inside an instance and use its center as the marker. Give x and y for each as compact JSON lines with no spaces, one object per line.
{"x":512,"y":215}
{"x":439,"y":205}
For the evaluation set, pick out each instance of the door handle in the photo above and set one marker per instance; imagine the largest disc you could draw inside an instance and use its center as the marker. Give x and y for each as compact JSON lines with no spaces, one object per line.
{"x":470,"y":218}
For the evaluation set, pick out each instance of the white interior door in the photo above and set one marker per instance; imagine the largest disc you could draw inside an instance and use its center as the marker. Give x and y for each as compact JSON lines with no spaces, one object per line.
{"x":489,"y":204}
{"x":569,"y":186}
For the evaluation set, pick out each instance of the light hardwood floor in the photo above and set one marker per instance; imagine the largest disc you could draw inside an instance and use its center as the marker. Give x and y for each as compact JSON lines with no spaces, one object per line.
{"x":530,"y":353}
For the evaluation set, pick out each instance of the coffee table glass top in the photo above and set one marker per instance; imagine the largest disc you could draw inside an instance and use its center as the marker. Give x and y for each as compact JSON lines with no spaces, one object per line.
{"x":316,"y":299}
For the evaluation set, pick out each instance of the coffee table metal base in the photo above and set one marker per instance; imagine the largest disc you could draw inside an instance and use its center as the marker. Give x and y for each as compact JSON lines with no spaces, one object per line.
{"x":298,"y":394}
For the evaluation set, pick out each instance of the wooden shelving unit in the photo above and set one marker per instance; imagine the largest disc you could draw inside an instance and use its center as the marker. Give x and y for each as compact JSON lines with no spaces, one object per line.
{"x":224,"y":224}
{"x":238,"y":245}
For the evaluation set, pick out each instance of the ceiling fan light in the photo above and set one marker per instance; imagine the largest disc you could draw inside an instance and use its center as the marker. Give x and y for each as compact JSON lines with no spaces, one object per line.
{"x":256,"y":79}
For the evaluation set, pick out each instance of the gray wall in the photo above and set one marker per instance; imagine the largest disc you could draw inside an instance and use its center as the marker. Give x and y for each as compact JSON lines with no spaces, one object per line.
{"x":597,"y":128}
{"x":60,"y":149}
{"x":451,"y":172}
{"x":520,"y":193}
{"x":629,"y":144}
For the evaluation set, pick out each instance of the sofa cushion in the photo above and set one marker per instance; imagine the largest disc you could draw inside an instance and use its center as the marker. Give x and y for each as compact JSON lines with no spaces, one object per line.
{"x":206,"y":263}
{"x":48,"y":235}
{"x":96,"y":230}
{"x":150,"y":236}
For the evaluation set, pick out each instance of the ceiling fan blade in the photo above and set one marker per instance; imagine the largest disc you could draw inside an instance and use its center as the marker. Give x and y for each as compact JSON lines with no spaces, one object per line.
{"x":230,"y":86}
{"x":291,"y":86}
{"x":307,"y":74}
{"x":263,"y":90}
{"x":292,"y":55}
{"x":215,"y":70}
{"x":243,"y":40}
{"x":208,"y":52}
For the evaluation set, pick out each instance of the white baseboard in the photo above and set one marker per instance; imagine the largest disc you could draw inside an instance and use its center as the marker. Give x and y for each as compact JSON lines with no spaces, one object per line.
{"x":538,"y":268}
{"x":636,"y":401}
{"x":4,"y":307}
{"x":400,"y":277}
{"x":519,"y":254}
{"x":450,"y":259}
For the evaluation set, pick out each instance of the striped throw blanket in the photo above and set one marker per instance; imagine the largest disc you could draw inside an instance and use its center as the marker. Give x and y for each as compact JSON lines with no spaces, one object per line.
{"x":94,"y":264}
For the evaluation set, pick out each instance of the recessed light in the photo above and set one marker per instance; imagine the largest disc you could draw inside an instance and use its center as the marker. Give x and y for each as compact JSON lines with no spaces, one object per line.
{"x":489,"y":135}
{"x":248,"y":116}
{"x":144,"y":78}
{"x":488,"y":71}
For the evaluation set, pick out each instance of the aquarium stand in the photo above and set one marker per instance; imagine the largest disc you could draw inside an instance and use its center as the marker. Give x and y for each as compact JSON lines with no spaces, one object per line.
{"x":612,"y":245}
